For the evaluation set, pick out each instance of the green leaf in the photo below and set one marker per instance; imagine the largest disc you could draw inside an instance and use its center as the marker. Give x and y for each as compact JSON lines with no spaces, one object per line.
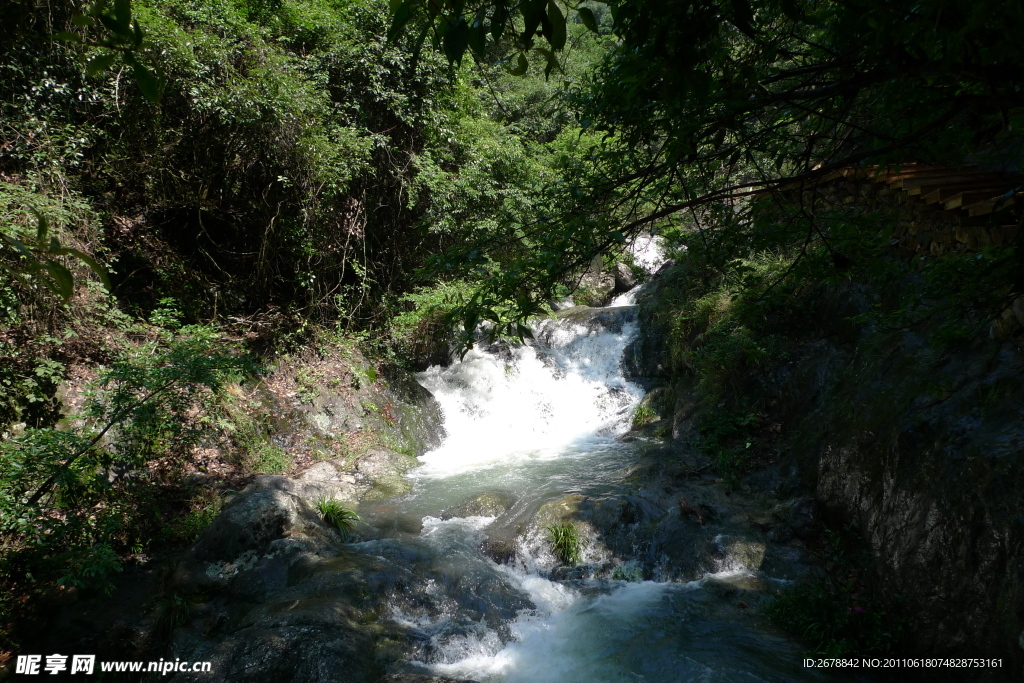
{"x":92,"y":263}
{"x":20,"y":246}
{"x":401,"y":17}
{"x":100,"y":63}
{"x":521,"y":66}
{"x":68,"y":36}
{"x":123,"y":15}
{"x":552,"y":61}
{"x":62,"y":278}
{"x":557,"y":21}
{"x":533,"y":13}
{"x":110,"y":23}
{"x":42,"y":228}
{"x":83,"y":20}
{"x":477,"y":40}
{"x":588,"y":18}
{"x":456,"y":40}
{"x":149,"y":84}
{"x":498,"y":21}
{"x":743,"y":17}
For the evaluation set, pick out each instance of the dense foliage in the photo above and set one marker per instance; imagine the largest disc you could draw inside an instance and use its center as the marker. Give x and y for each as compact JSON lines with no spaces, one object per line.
{"x":279,"y":167}
{"x":699,"y":104}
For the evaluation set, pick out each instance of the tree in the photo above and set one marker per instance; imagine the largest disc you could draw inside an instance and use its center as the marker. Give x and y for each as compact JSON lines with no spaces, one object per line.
{"x":702,"y":103}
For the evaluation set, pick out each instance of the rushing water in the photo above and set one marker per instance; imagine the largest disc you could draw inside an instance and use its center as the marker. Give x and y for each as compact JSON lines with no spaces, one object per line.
{"x":530,"y":424}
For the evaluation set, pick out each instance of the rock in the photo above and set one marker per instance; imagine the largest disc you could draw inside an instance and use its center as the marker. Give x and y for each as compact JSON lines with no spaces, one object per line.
{"x":1018,"y":309}
{"x":625,"y":280}
{"x":558,"y":511}
{"x":384,"y":470}
{"x":740,"y":553}
{"x":490,"y":504}
{"x":392,"y":405}
{"x":596,"y":285}
{"x":685,"y":410}
{"x":502,"y":551}
{"x":421,"y":678}
{"x":803,"y":517}
{"x":416,"y":411}
{"x":328,"y":479}
{"x":594,"y":319}
{"x":252,"y":544}
{"x":269,"y":509}
{"x":312,"y":628}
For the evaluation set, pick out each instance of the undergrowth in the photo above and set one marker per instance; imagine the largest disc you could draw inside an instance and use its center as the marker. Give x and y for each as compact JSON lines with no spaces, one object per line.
{"x":840,"y":615}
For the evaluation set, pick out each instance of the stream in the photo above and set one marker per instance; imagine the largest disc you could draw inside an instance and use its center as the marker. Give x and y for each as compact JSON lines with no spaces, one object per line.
{"x":534,"y":430}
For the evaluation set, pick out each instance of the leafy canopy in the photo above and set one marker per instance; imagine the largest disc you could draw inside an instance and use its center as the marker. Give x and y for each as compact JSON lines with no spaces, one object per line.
{"x":701,"y":103}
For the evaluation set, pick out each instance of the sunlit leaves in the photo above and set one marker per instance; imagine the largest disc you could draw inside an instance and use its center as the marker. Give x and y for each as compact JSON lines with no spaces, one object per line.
{"x":123,"y":38}
{"x":40,"y":262}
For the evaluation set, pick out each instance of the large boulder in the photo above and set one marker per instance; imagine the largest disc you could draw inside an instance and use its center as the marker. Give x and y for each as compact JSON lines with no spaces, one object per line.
{"x":625,"y":280}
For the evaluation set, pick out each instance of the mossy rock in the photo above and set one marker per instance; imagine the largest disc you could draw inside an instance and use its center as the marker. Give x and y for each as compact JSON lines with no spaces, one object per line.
{"x":489,"y":504}
{"x":384,"y":471}
{"x":559,"y":511}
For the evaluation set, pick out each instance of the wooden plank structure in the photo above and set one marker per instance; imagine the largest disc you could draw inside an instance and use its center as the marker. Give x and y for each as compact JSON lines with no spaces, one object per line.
{"x":974,"y":191}
{"x":939,"y":208}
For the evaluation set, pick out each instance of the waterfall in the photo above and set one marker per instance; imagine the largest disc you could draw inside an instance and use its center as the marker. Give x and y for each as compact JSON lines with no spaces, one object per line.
{"x":530,"y":426}
{"x":531,"y":401}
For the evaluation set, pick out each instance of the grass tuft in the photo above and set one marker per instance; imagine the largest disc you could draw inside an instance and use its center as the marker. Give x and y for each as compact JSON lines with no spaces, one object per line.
{"x":338,"y":515}
{"x":566,"y":543}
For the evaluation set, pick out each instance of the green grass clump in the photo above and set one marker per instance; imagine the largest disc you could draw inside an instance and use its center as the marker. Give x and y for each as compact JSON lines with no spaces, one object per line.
{"x":566,"y":543}
{"x":643,"y":415}
{"x":335,"y":513}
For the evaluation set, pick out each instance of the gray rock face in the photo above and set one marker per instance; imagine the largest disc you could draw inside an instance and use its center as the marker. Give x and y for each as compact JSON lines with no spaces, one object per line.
{"x":596,"y":286}
{"x":251,"y":545}
{"x":625,"y":280}
{"x":489,"y":504}
{"x":392,"y":405}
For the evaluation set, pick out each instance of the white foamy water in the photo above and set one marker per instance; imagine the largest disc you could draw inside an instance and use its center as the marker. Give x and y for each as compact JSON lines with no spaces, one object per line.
{"x":529,"y":424}
{"x":531,"y":401}
{"x":648,"y":252}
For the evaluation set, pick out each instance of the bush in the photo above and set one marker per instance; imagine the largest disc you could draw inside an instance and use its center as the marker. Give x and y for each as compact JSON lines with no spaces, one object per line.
{"x":72,"y":500}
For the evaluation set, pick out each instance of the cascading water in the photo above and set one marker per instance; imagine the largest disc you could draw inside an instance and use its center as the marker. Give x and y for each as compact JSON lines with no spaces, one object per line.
{"x":530,"y":426}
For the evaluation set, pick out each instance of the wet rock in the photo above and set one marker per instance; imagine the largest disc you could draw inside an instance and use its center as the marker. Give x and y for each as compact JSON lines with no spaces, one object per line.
{"x":501,"y":550}
{"x":687,"y":404}
{"x":490,"y":504}
{"x":422,"y":678}
{"x":558,"y":511}
{"x":329,"y":479}
{"x":391,"y":404}
{"x":625,"y":280}
{"x":308,"y":630}
{"x":780,"y":534}
{"x":417,"y":413}
{"x":596,"y":285}
{"x":256,"y":538}
{"x":790,"y":562}
{"x":740,"y":553}
{"x":383,"y":470}
{"x":611,"y":319}
{"x":803,"y":517}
